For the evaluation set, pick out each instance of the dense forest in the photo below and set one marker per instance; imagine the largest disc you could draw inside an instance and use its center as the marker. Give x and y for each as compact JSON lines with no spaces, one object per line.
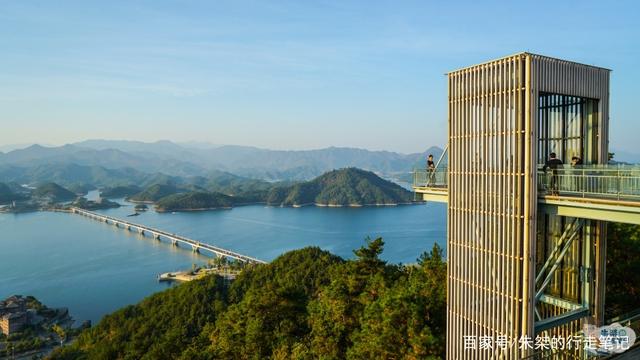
{"x":7,"y":195}
{"x":623,"y":269}
{"x":54,"y":192}
{"x":306,"y":304}
{"x":155,"y":192}
{"x":120,"y":191}
{"x":194,"y":201}
{"x":343,"y":187}
{"x":349,"y":186}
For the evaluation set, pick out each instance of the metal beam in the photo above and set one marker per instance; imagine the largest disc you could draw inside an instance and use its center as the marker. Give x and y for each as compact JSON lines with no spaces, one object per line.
{"x":559,"y":258}
{"x":556,"y":321}
{"x":619,"y":211}
{"x":563,"y":303}
{"x":556,"y":249}
{"x":431,"y":194}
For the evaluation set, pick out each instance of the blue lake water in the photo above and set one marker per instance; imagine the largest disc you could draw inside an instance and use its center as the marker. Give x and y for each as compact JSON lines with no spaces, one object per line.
{"x":67,"y":260}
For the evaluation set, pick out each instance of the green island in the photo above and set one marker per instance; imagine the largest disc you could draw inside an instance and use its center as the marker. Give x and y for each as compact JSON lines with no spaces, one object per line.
{"x":154,"y":193}
{"x":121,"y":191}
{"x":344,"y":187}
{"x":194,"y":201}
{"x":100,"y":203}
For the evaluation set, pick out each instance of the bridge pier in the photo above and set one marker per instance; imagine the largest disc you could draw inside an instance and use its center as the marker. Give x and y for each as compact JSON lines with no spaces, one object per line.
{"x":174,"y":242}
{"x":156,"y":236}
{"x":141,"y":231}
{"x":195,"y":249}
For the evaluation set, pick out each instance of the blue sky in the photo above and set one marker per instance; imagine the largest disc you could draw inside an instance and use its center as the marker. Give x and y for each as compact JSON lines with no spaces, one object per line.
{"x":285,"y":74}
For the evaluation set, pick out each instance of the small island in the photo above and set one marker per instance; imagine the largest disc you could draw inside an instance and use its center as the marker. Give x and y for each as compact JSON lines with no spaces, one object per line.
{"x":349,"y":187}
{"x":194,"y":201}
{"x":100,"y":203}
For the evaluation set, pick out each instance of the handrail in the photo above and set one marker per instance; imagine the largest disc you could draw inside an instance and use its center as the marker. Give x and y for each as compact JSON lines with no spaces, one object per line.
{"x":446,"y":148}
{"x":618,"y":182}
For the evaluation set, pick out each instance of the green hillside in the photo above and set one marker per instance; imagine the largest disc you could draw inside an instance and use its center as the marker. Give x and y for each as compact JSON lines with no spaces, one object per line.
{"x":192,"y":201}
{"x":306,"y":304}
{"x":7,"y":195}
{"x":155,"y":192}
{"x":94,"y":205}
{"x":120,"y":191}
{"x":344,"y":187}
{"x":54,"y":192}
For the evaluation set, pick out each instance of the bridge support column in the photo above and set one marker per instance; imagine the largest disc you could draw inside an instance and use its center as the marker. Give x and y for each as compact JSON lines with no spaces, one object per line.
{"x":141,"y":231}
{"x":174,"y":242}
{"x":156,"y":236}
{"x":195,"y":249}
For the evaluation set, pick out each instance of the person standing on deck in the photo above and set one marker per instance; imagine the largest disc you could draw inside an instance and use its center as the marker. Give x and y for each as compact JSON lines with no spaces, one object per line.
{"x":431,"y":168}
{"x":554,"y":164}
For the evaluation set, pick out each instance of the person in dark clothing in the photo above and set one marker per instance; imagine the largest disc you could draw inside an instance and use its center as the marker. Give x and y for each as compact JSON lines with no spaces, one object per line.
{"x":554,"y":164}
{"x":430,"y":164}
{"x":431,"y":168}
{"x":576,"y":161}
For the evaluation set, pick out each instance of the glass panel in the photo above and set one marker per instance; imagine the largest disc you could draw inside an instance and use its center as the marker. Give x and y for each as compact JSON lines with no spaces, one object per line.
{"x":567,"y":127}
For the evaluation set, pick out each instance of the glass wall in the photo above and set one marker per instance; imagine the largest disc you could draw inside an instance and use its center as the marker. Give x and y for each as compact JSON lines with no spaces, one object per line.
{"x":568,"y":126}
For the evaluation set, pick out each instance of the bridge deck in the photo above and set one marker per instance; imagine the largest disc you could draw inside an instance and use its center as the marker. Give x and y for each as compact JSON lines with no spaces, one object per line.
{"x":196,"y":245}
{"x":609,"y":193}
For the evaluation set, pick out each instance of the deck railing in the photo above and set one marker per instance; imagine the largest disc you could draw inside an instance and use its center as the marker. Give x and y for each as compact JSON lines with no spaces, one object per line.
{"x":437,"y":178}
{"x":619,"y":182}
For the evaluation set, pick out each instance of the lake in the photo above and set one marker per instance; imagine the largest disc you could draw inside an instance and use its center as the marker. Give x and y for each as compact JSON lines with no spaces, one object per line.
{"x":67,"y":260}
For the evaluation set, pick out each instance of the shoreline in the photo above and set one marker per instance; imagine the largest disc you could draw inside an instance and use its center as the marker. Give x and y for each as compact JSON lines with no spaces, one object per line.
{"x":296,"y":206}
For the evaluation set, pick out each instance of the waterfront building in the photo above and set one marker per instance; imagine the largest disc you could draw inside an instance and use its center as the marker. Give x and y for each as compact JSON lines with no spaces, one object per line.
{"x":13,"y":314}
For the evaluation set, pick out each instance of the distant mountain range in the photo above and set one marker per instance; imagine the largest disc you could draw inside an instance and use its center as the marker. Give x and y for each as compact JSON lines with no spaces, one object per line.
{"x":101,"y":162}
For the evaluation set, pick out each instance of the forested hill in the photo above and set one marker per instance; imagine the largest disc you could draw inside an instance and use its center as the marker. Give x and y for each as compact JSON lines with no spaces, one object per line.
{"x":194,"y":201}
{"x":54,"y":192}
{"x":344,"y":187}
{"x":155,"y":192}
{"x":306,"y":304}
{"x":7,"y":195}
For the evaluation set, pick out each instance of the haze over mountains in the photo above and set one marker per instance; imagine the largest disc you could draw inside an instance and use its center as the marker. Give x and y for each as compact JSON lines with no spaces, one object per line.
{"x":105,"y":158}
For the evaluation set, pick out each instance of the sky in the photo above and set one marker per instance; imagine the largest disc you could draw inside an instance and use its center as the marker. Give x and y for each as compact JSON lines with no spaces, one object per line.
{"x":284,"y":74}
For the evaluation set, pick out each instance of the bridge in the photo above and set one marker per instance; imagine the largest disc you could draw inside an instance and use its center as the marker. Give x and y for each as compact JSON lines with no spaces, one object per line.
{"x":158,"y":234}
